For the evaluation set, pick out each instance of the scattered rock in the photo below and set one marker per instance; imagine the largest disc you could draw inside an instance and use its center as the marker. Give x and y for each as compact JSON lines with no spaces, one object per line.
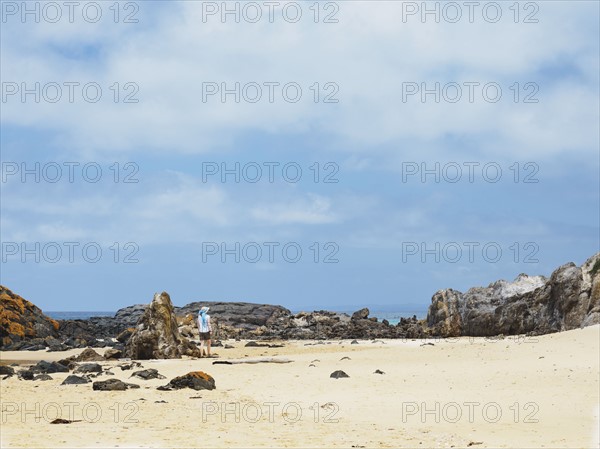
{"x":89,"y":355}
{"x":427,"y":344}
{"x":64,"y":421}
{"x":312,"y":364}
{"x":89,"y":368}
{"x":43,"y":377}
{"x":112,"y":385}
{"x":354,"y":342}
{"x":26,"y":374}
{"x":377,"y":371}
{"x":128,"y":366}
{"x":147,"y":374}
{"x":75,"y":380}
{"x":69,"y":362}
{"x":196,"y":380}
{"x":49,"y":367}
{"x":7,"y":370}
{"x":345,"y":358}
{"x":229,"y":347}
{"x":160,"y":402}
{"x":339,"y":374}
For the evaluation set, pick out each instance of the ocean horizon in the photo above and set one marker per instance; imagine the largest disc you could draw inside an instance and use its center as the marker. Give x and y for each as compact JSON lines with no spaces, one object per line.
{"x":392,"y":317}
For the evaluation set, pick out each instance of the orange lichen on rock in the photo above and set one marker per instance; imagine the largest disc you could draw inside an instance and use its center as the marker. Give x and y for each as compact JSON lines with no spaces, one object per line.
{"x":201,"y":375}
{"x":21,"y":319}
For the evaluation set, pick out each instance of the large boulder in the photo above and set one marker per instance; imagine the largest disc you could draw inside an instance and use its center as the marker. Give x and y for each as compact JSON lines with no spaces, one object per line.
{"x":21,"y":320}
{"x":569,"y":299}
{"x":196,"y":380}
{"x":88,"y":355}
{"x":156,"y":335}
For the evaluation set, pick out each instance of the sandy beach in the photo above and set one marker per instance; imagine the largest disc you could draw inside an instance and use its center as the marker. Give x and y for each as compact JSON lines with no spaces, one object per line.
{"x":512,"y":392}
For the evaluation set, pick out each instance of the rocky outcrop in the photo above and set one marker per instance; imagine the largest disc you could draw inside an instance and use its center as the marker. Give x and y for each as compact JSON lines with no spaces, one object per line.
{"x":84,"y":333}
{"x":241,"y":315}
{"x":20,"y":320}
{"x":156,"y":335}
{"x":569,"y":299}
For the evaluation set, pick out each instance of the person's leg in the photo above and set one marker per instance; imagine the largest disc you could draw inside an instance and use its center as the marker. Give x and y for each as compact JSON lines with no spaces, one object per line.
{"x":208,"y":346}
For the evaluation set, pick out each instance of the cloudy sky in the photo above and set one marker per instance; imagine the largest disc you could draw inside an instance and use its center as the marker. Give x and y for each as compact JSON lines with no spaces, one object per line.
{"x":310,"y":154}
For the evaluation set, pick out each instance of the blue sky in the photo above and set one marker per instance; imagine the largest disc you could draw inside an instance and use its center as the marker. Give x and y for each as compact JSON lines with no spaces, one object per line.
{"x":376,"y":218}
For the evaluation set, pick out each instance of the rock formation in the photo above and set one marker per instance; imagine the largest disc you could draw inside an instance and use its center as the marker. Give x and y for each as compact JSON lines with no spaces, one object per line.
{"x":156,"y":335}
{"x":196,"y":380}
{"x":21,"y":320}
{"x":569,"y":299}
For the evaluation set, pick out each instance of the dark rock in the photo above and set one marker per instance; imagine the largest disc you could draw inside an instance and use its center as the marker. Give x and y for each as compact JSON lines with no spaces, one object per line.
{"x":7,"y":370}
{"x":64,"y":421}
{"x":54,"y":345}
{"x":339,"y":374}
{"x":89,"y":368}
{"x":148,"y":374}
{"x":361,"y":314}
{"x":229,"y":347}
{"x":104,"y":327}
{"x":69,"y":362}
{"x":112,"y":354}
{"x":43,"y":377}
{"x":241,"y":315}
{"x":128,"y":366}
{"x":378,"y":372}
{"x":157,"y":335}
{"x":89,"y":355}
{"x":112,"y":385}
{"x":197,"y":380}
{"x":124,"y":336}
{"x":49,"y":367}
{"x":75,"y":380}
{"x":354,"y":342}
{"x":26,"y":374}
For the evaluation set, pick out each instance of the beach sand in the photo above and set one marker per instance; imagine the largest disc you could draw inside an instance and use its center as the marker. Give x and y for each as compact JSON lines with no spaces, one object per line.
{"x":524,"y":392}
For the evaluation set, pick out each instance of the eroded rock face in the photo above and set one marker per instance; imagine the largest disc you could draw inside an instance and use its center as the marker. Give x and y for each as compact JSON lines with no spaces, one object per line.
{"x":156,"y":335}
{"x":21,"y":320}
{"x":569,"y":299}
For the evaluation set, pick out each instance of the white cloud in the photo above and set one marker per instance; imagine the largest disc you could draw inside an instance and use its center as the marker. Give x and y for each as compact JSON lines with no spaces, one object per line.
{"x":369,"y":53}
